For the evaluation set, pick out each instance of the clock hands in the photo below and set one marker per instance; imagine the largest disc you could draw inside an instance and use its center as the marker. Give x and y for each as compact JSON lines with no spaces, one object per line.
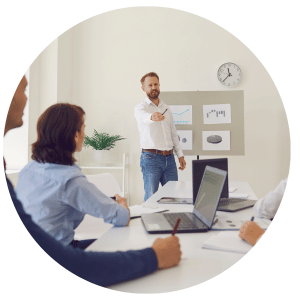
{"x":229,"y":74}
{"x":225,"y":78}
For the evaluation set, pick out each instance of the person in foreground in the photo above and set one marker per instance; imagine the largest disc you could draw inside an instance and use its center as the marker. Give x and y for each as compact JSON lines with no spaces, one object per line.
{"x":158,"y":137}
{"x":101,"y":268}
{"x":267,"y":206}
{"x":52,"y":188}
{"x":264,"y":208}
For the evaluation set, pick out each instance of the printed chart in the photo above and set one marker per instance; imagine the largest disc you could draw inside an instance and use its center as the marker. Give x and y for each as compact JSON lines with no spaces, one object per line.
{"x":222,"y":144}
{"x":182,"y":114}
{"x":186,"y":139}
{"x":217,"y":114}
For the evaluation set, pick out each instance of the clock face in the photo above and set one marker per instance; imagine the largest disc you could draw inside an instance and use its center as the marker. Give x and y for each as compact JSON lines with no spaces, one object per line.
{"x":229,"y":75}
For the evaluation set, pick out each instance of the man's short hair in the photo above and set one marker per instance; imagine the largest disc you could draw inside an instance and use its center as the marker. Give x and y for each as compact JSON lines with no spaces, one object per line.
{"x":151,"y":74}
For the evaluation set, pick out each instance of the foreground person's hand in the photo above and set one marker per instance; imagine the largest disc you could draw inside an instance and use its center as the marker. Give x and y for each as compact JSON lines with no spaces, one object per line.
{"x":251,"y":232}
{"x":167,"y":252}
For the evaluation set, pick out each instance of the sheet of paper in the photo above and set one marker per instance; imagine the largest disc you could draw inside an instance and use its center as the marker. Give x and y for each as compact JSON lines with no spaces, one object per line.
{"x":237,"y":195}
{"x":182,"y":114}
{"x":217,"y":114}
{"x":222,"y":140}
{"x":231,"y":224}
{"x":137,"y":210}
{"x":228,"y":242}
{"x":185,"y":139}
{"x":172,"y":200}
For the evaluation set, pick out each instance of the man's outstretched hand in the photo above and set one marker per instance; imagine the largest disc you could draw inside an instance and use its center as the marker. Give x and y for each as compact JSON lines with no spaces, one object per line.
{"x":157,"y":117}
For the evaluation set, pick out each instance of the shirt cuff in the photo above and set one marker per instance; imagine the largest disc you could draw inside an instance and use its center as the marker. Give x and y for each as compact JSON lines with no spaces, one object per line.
{"x":122,"y":217}
{"x":179,"y":153}
{"x":152,"y":259}
{"x":148,"y":119}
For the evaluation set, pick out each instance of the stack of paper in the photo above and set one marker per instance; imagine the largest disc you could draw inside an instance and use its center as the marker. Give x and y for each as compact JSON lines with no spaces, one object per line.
{"x":228,"y":241}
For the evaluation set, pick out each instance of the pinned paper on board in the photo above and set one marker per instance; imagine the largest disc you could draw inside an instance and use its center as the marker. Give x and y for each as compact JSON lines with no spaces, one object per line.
{"x":185,"y":139}
{"x":182,"y":114}
{"x":217,"y":114}
{"x":216,"y":140}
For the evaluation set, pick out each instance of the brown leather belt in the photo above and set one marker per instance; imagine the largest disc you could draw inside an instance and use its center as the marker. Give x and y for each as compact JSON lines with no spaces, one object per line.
{"x":164,"y":152}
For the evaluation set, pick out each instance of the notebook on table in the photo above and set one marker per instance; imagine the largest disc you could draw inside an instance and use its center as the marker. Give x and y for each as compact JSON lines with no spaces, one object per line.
{"x":228,"y":241}
{"x":226,"y":203}
{"x":202,"y":217}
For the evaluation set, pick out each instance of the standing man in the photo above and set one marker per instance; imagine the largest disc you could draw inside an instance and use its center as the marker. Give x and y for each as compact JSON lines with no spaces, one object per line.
{"x":158,"y":137}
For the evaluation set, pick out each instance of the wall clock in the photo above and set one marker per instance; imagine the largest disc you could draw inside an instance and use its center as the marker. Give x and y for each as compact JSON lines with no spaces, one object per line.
{"x":229,"y":74}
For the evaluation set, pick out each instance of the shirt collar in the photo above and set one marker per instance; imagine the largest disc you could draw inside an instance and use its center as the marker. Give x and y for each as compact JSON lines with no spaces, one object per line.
{"x":148,"y":101}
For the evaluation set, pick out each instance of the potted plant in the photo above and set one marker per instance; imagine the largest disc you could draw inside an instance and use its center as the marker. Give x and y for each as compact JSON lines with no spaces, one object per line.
{"x":101,"y":142}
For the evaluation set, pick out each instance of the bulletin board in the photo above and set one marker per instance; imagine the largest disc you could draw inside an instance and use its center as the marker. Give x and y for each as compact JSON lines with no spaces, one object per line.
{"x":231,"y":133}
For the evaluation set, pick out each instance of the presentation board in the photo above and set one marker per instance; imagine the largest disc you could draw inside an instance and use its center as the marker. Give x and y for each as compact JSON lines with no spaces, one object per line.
{"x":216,"y":119}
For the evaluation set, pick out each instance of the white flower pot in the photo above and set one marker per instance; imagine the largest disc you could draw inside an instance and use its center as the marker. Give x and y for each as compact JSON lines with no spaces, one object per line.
{"x":100,"y":157}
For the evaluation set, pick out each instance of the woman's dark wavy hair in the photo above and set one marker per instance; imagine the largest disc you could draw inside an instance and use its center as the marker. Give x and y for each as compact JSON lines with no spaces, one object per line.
{"x":56,"y":129}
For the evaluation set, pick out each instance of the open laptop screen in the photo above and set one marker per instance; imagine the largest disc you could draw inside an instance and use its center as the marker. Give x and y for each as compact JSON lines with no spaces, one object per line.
{"x":209,"y":194}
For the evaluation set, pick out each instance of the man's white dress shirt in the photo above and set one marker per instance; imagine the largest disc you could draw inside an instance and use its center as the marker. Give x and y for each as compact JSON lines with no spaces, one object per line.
{"x":157,"y":135}
{"x":268,"y":205}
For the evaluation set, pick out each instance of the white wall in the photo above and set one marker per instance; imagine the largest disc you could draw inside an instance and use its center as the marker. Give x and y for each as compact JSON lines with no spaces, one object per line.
{"x":101,"y":60}
{"x":43,"y":88}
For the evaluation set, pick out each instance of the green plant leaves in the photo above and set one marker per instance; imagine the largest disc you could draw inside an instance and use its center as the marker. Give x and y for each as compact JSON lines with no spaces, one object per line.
{"x":101,"y":141}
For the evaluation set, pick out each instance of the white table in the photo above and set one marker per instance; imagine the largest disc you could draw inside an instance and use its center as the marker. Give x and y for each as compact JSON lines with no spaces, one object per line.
{"x":197,"y":264}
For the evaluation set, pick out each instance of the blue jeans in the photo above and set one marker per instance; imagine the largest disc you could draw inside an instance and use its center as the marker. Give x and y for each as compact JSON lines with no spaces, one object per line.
{"x":156,"y":169}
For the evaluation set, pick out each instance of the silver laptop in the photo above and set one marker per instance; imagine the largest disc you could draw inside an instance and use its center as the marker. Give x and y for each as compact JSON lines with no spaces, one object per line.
{"x":202,"y":217}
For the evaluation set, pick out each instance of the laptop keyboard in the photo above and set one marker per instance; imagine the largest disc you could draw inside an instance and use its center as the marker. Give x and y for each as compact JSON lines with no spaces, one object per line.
{"x":227,"y":201}
{"x":185,"y":223}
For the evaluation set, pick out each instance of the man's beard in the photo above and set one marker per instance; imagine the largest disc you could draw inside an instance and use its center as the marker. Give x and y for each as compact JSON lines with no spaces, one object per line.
{"x":153,"y":94}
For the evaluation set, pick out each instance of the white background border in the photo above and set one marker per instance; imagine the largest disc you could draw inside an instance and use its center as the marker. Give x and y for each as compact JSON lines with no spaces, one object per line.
{"x":270,"y":31}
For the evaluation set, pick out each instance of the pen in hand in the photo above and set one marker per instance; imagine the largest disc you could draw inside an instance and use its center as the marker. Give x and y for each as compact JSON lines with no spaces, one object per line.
{"x":114,"y":198}
{"x":164,"y":112}
{"x":252,"y":219}
{"x":176,"y":226}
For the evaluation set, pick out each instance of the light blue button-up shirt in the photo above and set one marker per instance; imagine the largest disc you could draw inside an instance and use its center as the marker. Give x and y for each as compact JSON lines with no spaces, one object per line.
{"x":58,"y":196}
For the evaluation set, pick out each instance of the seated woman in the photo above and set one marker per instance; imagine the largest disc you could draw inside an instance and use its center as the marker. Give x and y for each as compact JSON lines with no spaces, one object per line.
{"x":52,"y":188}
